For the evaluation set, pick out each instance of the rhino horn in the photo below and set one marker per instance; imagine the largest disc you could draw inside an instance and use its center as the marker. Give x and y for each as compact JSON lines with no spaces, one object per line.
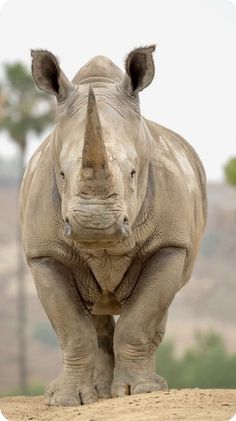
{"x":94,"y":154}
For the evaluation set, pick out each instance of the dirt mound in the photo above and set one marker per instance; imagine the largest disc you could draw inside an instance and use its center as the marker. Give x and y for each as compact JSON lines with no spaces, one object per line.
{"x":185,"y":404}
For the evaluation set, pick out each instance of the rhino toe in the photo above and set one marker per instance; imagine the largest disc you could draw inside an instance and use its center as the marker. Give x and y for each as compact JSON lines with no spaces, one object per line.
{"x":104,"y":391}
{"x":88,"y":396}
{"x":119,"y":390}
{"x":149,"y":386}
{"x":60,"y":399}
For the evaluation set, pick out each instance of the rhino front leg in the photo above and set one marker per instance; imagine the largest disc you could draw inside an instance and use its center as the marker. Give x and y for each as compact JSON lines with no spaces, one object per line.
{"x":159,"y":334}
{"x":75,"y":330}
{"x":104,"y":366}
{"x":140,"y":327}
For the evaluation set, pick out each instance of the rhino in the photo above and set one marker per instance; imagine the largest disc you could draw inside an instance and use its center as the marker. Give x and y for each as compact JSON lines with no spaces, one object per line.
{"x":113,"y":208}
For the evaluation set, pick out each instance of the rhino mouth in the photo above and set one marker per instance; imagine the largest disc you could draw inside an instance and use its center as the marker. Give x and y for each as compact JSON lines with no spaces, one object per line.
{"x":98,"y":245}
{"x":97,"y":231}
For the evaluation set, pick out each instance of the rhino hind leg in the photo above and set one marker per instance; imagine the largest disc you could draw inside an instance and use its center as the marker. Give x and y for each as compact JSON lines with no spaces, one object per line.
{"x":75,"y":331}
{"x":104,"y":366}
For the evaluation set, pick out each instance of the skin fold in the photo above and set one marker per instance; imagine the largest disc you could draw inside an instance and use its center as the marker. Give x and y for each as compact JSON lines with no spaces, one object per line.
{"x":113,"y":207}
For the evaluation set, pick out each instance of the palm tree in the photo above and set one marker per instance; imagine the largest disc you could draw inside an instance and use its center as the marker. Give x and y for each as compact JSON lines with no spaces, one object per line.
{"x":23,"y":111}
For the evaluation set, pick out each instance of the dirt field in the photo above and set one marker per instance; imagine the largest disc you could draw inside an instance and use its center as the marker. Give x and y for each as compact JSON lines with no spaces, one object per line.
{"x":185,"y":404}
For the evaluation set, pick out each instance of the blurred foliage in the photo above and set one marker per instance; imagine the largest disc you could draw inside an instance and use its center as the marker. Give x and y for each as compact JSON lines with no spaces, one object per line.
{"x":23,"y":108}
{"x":45,"y":334}
{"x":207,"y":365}
{"x":230,"y":171}
{"x":32,"y":390}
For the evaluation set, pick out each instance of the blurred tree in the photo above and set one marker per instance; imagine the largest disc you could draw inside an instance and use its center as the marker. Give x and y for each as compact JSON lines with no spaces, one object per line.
{"x":23,"y":110}
{"x":230,"y":171}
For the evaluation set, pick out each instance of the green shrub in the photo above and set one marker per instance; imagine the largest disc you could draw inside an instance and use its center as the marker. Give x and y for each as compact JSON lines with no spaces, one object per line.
{"x":230,"y":171}
{"x":32,"y":390}
{"x":207,"y":365}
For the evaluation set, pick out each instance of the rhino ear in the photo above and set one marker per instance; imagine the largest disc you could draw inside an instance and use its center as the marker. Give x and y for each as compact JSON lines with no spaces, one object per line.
{"x":48,"y":76}
{"x":139,"y":68}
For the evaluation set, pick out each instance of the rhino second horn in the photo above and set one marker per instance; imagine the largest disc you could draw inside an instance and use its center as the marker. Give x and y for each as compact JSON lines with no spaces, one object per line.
{"x":94,"y":152}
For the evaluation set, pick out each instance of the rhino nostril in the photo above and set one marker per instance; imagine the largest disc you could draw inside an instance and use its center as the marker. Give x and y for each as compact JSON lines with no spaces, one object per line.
{"x":125,"y":228}
{"x":112,"y":196}
{"x":67,"y":228}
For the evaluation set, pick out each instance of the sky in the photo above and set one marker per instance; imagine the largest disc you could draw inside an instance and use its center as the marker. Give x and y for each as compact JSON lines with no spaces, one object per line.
{"x":194,"y":90}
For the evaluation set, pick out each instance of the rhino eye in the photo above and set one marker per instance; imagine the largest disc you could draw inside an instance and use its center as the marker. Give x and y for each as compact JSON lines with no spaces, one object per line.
{"x":62,"y":174}
{"x":133,"y":172}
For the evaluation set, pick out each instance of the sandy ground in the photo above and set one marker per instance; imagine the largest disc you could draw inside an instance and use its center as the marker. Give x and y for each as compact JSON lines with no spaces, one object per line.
{"x":185,"y":404}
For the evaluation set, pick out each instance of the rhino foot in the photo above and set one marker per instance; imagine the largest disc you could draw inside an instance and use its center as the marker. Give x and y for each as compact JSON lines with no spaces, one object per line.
{"x":66,"y":392}
{"x":131,"y":383}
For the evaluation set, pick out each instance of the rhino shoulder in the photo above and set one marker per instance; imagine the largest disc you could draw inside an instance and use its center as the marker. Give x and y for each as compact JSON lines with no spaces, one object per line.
{"x":178,"y":182}
{"x":177,"y":147}
{"x":40,"y":204}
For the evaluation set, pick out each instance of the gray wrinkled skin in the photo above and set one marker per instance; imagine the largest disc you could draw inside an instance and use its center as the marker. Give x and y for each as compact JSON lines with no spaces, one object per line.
{"x":113,"y":208}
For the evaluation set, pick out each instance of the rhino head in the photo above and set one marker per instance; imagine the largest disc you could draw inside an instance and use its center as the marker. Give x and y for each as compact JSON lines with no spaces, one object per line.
{"x":101,"y":147}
